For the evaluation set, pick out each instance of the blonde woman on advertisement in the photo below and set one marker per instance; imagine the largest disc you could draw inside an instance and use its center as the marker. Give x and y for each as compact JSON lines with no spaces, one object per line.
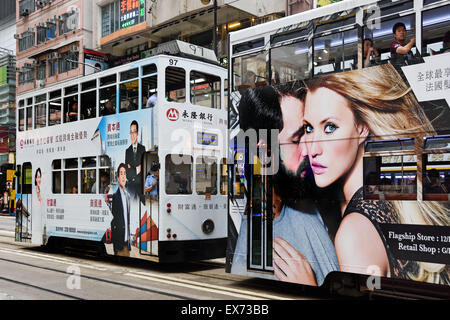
{"x":341,"y":112}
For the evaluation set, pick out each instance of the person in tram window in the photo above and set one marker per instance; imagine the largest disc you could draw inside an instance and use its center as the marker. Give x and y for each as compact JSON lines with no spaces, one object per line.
{"x":152,"y":180}
{"x":108,"y":109}
{"x":104,"y":184}
{"x":401,"y":48}
{"x":371,"y":55}
{"x":133,"y":159}
{"x":152,"y":100}
{"x":72,"y":114}
{"x":120,"y":208}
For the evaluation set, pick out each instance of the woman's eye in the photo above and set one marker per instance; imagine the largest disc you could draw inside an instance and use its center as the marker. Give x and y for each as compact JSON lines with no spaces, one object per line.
{"x":330,"y":128}
{"x":308,"y":128}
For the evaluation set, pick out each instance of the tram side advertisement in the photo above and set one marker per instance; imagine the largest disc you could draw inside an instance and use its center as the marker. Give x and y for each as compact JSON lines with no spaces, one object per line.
{"x":68,"y":201}
{"x":331,"y":203}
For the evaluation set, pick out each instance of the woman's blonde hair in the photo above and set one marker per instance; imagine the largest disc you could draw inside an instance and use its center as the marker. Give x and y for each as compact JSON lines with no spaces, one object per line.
{"x":380,"y":99}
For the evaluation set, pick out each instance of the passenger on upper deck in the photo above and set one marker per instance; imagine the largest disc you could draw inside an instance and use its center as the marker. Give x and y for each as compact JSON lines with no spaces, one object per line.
{"x":108,"y":109}
{"x":72,"y":114}
{"x":400,"y":49}
{"x":151,"y":101}
{"x":371,"y":55}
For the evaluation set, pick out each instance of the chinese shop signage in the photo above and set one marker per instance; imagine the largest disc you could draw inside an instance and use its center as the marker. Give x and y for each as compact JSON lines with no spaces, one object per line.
{"x":131,"y":12}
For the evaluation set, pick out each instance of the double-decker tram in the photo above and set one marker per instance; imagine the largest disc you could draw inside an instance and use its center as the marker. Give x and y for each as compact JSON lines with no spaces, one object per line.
{"x":339,"y":123}
{"x":130,"y":158}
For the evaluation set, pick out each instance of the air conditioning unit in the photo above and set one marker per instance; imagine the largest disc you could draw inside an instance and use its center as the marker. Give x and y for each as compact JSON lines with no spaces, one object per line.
{"x":50,"y":21}
{"x":74,"y":49}
{"x":18,"y":69}
{"x":30,"y":30}
{"x":42,"y":25}
{"x":24,"y":12}
{"x":57,"y":18}
{"x":54,"y":56}
{"x":28,"y":66}
{"x":40,"y":3}
{"x":18,"y":36}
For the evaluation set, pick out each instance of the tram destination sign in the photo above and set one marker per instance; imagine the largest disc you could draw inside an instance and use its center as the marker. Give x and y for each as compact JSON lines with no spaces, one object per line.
{"x":132,"y":12}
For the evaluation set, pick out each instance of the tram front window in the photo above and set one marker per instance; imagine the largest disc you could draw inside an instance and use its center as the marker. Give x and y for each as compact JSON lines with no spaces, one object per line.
{"x":175,"y":84}
{"x":108,"y":101}
{"x":178,"y":174}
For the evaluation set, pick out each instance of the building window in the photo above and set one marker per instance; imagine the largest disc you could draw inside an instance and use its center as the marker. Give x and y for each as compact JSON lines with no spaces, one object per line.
{"x":67,"y":61}
{"x":27,"y":40}
{"x":110,"y":18}
{"x":52,"y":67}
{"x":41,"y":70}
{"x":68,"y":22}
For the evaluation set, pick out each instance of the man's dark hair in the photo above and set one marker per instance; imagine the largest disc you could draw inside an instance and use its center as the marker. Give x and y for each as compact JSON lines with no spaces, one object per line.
{"x":155,"y":166}
{"x":122,"y":165}
{"x":398,"y":25}
{"x":134,"y":122}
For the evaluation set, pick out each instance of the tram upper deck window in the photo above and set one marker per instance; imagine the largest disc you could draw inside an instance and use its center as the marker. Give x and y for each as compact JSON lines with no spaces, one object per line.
{"x":88,"y":85}
{"x":129,"y":96}
{"x":149,"y":69}
{"x":149,"y":91}
{"x":129,"y":74}
{"x":205,"y":90}
{"x":54,"y":112}
{"x":70,"y":108}
{"x":40,"y":115}
{"x":178,"y":174}
{"x":55,"y":94}
{"x":88,"y":104}
{"x":29,"y":115}
{"x":175,"y":84}
{"x":108,"y":80}
{"x":249,"y":71}
{"x":336,"y":52}
{"x":379,"y":28}
{"x":436,"y":30}
{"x":108,"y":100}
{"x":206,"y":176}
{"x":21,"y":125}
{"x":290,"y":62}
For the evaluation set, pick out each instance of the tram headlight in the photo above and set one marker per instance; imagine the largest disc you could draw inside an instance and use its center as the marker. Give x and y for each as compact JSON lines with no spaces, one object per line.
{"x":208,"y":226}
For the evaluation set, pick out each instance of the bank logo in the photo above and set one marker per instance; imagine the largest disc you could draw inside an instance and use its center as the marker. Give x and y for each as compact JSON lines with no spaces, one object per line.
{"x":173,"y":114}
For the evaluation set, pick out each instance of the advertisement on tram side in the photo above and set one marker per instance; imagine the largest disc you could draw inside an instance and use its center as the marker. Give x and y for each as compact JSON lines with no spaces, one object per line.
{"x":345,"y":172}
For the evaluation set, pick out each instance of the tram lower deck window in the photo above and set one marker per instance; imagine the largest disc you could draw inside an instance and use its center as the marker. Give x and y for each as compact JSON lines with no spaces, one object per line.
{"x":178,"y":174}
{"x":206,"y":176}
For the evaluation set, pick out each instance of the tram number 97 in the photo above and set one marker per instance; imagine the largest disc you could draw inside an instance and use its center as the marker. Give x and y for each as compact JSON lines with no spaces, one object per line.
{"x":173,"y":62}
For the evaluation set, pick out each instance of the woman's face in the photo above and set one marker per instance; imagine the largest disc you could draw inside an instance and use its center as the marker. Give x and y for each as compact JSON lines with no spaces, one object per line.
{"x":291,"y":150}
{"x":38,"y":179}
{"x":331,"y":134}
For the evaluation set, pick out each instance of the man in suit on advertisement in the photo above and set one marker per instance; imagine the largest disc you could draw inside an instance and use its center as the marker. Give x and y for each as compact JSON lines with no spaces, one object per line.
{"x":120,"y":224}
{"x":133,"y":160}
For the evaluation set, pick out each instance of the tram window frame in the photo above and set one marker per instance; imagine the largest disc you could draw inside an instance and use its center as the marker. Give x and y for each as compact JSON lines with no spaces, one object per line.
{"x":212,"y":93}
{"x":383,"y":41}
{"x":104,"y":167}
{"x":286,"y":73}
{"x":128,"y":103}
{"x":71,"y":100}
{"x":258,"y":58}
{"x":27,"y":187}
{"x":340,"y":61}
{"x":40,"y":118}
{"x":29,"y":118}
{"x":380,"y":191}
{"x":58,"y":120}
{"x":70,"y":172}
{"x":223,"y":179}
{"x":206,"y":163}
{"x":175,"y":87}
{"x":21,"y":117}
{"x":428,"y":46}
{"x":106,"y":98}
{"x":87,"y":171}
{"x":88,"y":85}
{"x":430,"y":191}
{"x":86,"y":99}
{"x":181,"y":160}
{"x":129,"y":74}
{"x":56,"y":176}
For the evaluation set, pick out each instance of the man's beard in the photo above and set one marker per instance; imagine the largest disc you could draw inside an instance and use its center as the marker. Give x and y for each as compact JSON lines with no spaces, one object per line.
{"x":292,"y":186}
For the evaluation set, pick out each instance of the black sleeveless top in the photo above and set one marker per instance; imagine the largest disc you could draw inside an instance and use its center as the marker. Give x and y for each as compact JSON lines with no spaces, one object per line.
{"x":379,"y":212}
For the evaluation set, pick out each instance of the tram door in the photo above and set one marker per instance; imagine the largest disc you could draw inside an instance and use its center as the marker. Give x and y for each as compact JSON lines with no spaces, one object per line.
{"x":149,"y":213}
{"x":260,"y":219}
{"x":24,"y":203}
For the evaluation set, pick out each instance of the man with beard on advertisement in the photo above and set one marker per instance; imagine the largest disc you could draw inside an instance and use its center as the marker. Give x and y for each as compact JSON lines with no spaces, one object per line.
{"x":295,"y":217}
{"x":342,"y":111}
{"x":120,"y":224}
{"x":133,"y":160}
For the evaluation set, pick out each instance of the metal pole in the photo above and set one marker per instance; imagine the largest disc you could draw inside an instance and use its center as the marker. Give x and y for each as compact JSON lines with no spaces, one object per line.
{"x":215,"y":27}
